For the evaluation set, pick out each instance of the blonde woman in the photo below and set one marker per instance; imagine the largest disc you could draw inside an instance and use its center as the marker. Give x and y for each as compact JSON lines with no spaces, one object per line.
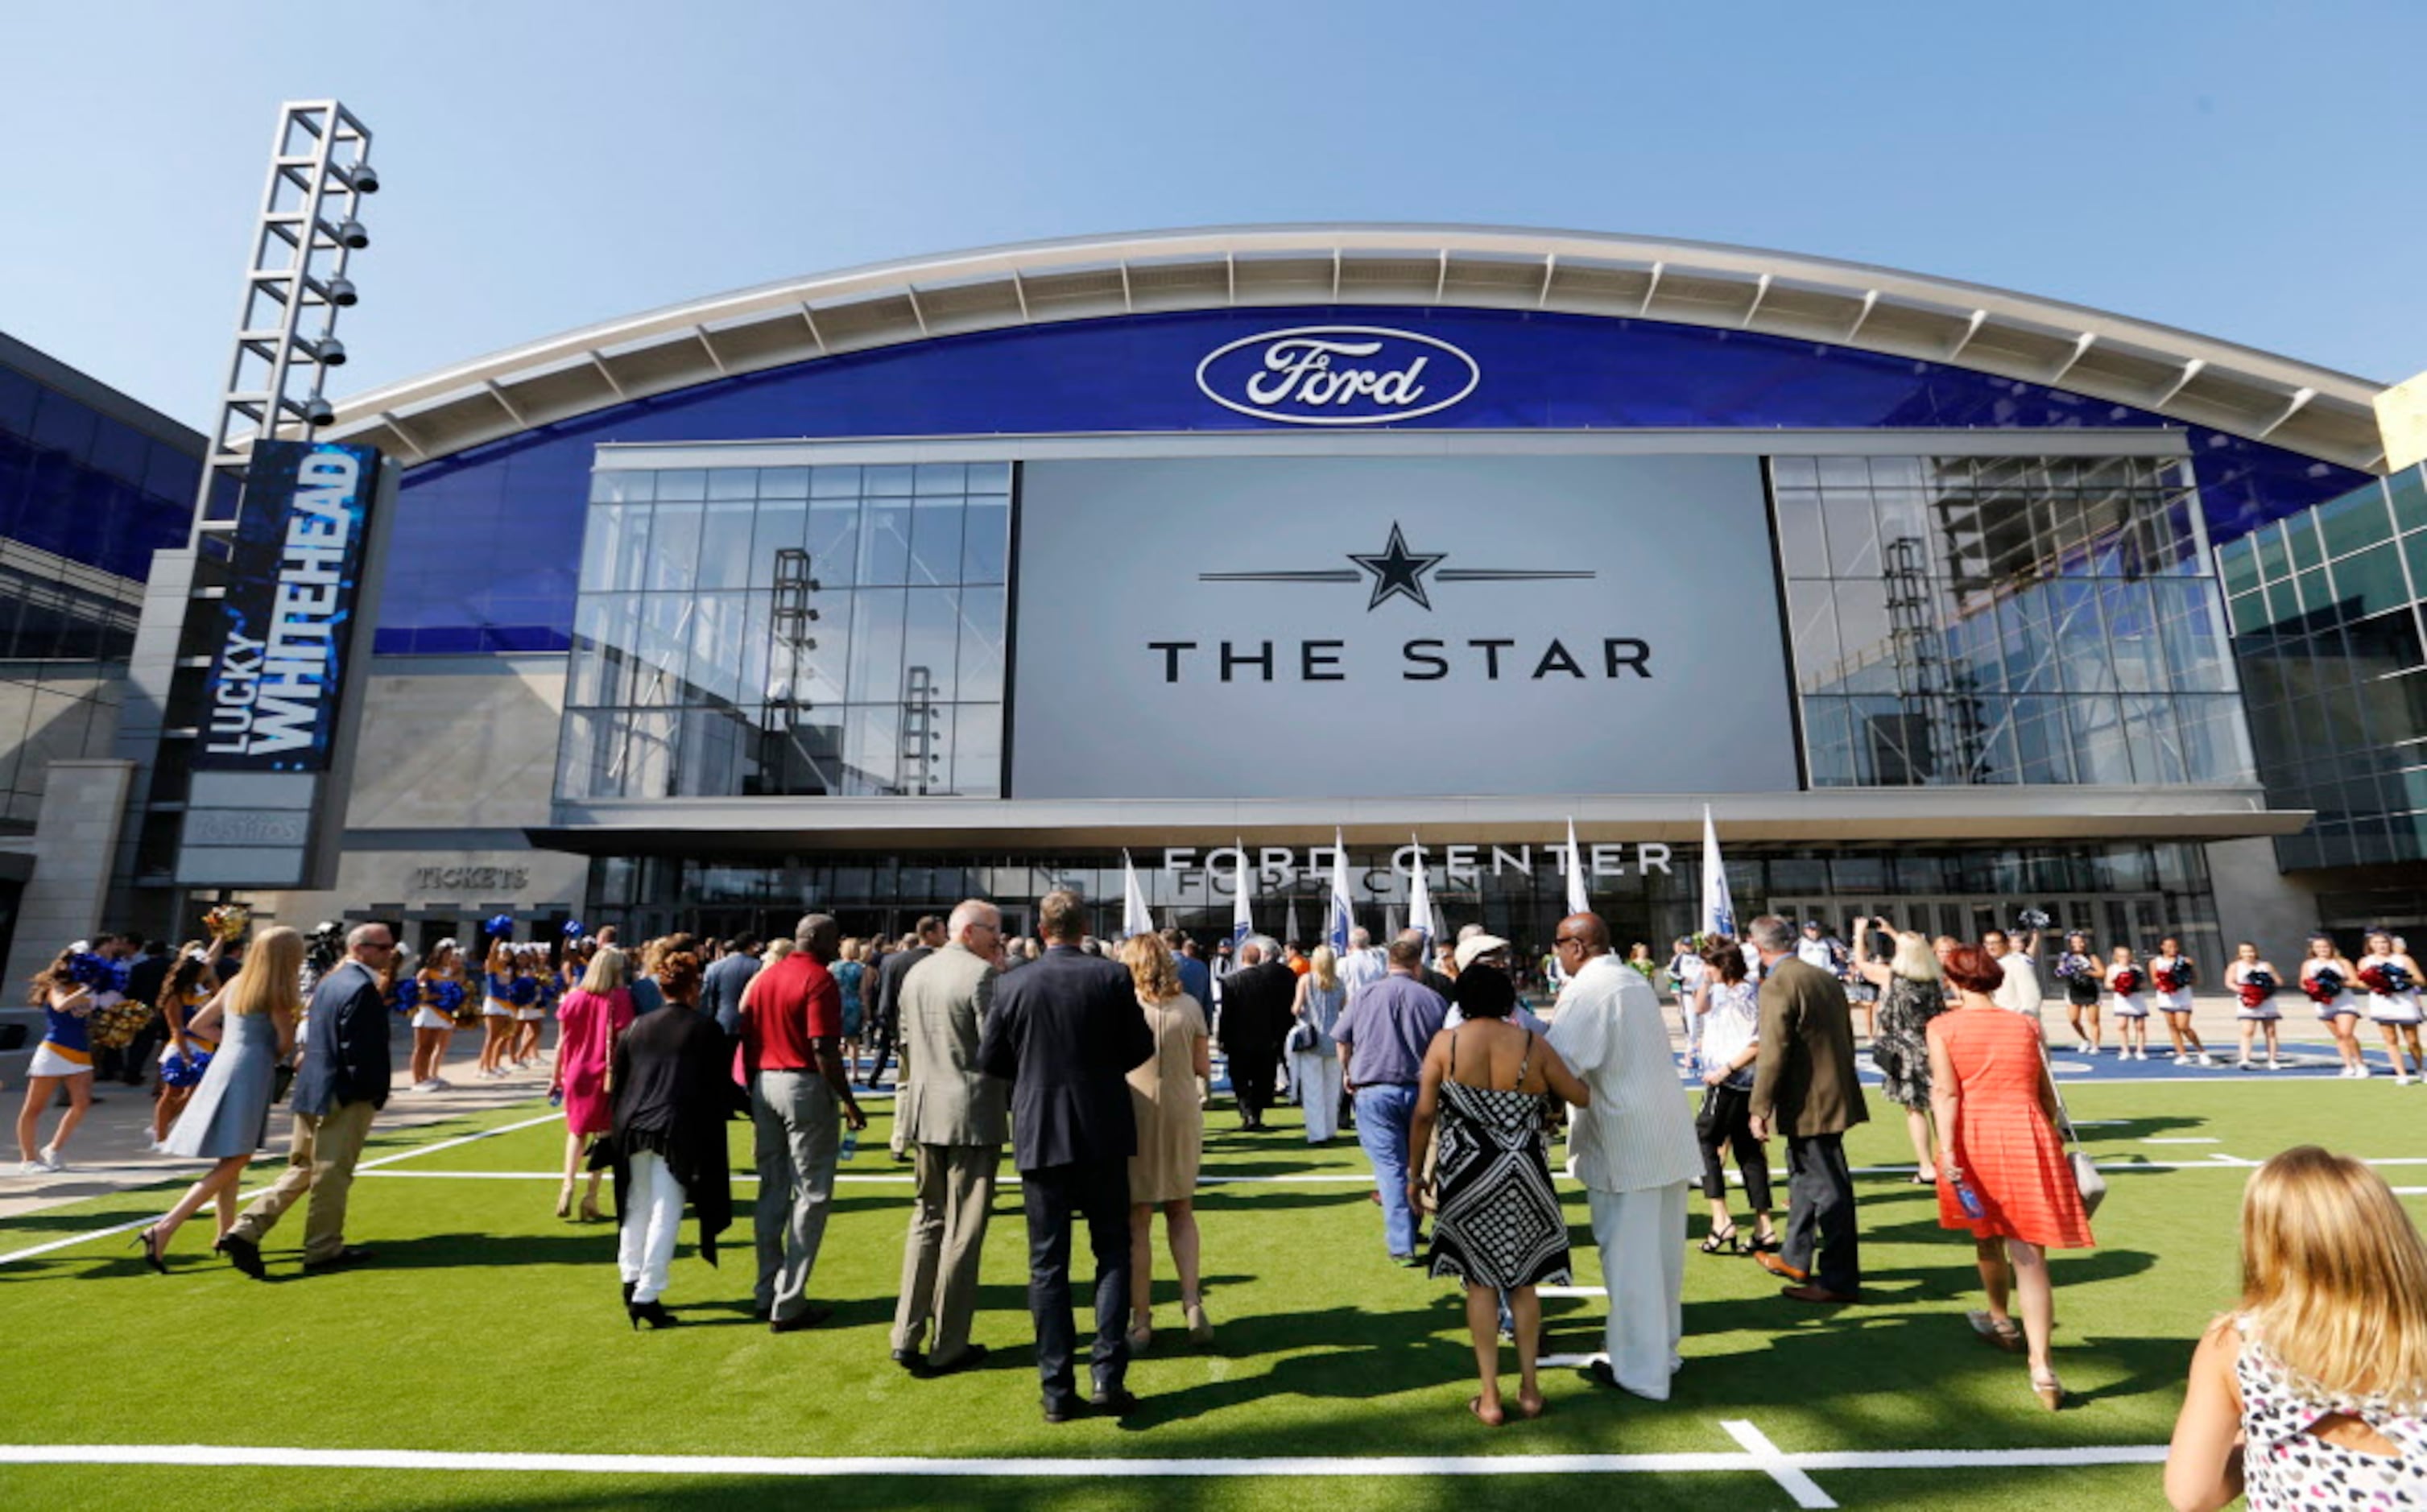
{"x":588,"y":1022}
{"x":1315,"y":1070}
{"x":848,"y":975}
{"x":1170,"y":1136}
{"x":255,"y":1018}
{"x":2314,"y":1392}
{"x":1911,"y":993}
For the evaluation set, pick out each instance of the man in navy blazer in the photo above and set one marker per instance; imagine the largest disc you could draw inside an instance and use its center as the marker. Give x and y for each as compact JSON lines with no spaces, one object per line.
{"x":1066,"y":1030}
{"x":343,"y":1083}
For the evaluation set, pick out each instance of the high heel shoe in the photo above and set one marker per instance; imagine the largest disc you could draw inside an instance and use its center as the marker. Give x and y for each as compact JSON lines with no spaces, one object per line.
{"x":152,"y":1255}
{"x":2050,"y":1392}
{"x":1722,"y":1241}
{"x":590,"y":1212}
{"x":1200,"y":1331}
{"x":564,"y":1200}
{"x":653,"y":1312}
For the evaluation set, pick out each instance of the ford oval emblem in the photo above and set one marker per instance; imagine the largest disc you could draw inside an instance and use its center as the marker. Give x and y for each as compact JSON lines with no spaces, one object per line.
{"x":1337,"y":375}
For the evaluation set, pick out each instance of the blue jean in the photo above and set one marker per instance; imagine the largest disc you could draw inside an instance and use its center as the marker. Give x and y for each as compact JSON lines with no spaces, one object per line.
{"x":1383,"y":1113}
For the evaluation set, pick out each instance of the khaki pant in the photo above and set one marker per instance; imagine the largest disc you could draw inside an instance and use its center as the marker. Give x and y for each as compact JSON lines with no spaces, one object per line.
{"x":940,"y":1262}
{"x":321,"y":1161}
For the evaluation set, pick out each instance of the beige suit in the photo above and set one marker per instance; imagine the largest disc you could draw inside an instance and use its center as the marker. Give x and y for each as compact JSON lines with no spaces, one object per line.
{"x":955,"y":1118}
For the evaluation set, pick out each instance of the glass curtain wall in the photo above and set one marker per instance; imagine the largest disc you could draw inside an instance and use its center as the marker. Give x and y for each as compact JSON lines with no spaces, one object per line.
{"x":790,"y":631}
{"x":2327,"y":628}
{"x":1959,"y":621}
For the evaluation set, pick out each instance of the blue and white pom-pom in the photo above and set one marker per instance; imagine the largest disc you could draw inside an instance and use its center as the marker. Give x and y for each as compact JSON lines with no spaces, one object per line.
{"x":185,"y":1070}
{"x":572,"y":930}
{"x":446,"y":996}
{"x":501,"y":926}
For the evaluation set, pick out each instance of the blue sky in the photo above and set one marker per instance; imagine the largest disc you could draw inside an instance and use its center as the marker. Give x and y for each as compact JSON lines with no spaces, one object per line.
{"x":2247,"y":171}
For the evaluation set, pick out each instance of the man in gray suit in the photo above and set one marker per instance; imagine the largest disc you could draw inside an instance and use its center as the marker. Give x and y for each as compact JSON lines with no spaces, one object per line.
{"x":955,"y":1118}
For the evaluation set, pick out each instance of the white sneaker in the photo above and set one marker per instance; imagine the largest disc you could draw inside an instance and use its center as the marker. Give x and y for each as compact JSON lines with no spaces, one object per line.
{"x":425,"y":1086}
{"x":33,"y":1169}
{"x":2204,"y":1058}
{"x":2361,"y":1072}
{"x":49,"y":1156}
{"x":439,"y":1084}
{"x":2274,"y":1064}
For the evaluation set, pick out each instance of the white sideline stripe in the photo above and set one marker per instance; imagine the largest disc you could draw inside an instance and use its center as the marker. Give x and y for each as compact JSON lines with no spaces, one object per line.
{"x":1773,"y":1460}
{"x":2185,"y":1139}
{"x":1772,"y":1463}
{"x":370,"y":1166}
{"x":1572,"y":1292}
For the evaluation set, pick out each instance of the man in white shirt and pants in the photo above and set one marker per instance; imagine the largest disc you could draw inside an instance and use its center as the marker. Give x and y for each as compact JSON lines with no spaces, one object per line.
{"x":1633,"y":1148}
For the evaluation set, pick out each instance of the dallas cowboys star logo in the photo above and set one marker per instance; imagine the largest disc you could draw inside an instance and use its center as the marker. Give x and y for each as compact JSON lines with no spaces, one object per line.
{"x":1398,"y":573}
{"x":1397,"y":570}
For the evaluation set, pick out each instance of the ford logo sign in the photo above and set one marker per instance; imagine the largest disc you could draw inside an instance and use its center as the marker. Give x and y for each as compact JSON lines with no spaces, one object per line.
{"x":1337,"y":375}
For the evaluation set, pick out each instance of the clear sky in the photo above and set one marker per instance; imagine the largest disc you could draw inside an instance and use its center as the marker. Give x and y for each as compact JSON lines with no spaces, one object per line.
{"x":2250,"y":172}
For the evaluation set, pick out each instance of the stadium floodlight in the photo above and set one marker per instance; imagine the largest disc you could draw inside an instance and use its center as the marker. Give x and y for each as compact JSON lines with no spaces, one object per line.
{"x":318,"y":412}
{"x":352,"y":235}
{"x":343,"y":294}
{"x":328,"y":351}
{"x":364,"y":178}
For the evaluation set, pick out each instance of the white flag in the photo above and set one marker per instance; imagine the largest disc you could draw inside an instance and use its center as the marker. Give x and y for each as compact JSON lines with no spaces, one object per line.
{"x":1420,"y":899}
{"x":1136,"y":919}
{"x":1344,"y":912}
{"x":1718,"y":909}
{"x":1578,"y":901}
{"x":1243,"y":922}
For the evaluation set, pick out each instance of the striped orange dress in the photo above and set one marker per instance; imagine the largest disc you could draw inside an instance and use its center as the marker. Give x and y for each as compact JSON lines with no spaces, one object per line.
{"x":2009,"y":1150}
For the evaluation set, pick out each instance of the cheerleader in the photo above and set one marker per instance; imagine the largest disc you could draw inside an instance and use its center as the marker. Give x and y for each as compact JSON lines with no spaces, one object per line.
{"x":189,"y":984}
{"x":2391,"y":978}
{"x":2326,"y":977}
{"x":2253,"y":980}
{"x":2172,"y":972}
{"x":531,"y":964}
{"x":2127,"y":989}
{"x":65,"y":1055}
{"x":2081,"y":974}
{"x":431,"y":996}
{"x":497,"y":1007}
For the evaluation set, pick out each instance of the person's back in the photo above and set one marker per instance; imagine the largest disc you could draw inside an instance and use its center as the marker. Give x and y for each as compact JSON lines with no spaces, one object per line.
{"x":1055,"y":1032}
{"x":949,"y":1099}
{"x":1807,"y":1070}
{"x":1496,"y":1055}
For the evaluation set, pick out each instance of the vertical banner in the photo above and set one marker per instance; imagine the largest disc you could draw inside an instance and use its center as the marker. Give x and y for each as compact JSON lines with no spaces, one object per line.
{"x":294,"y":574}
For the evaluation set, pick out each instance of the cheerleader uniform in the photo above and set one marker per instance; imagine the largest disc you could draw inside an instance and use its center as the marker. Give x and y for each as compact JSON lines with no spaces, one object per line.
{"x":2390,"y":1007}
{"x":67,"y":1039}
{"x":500,"y":1002}
{"x":2133,"y":1005}
{"x":2080,"y":984}
{"x":420,"y":996}
{"x":2345,"y":1001}
{"x":2266,"y":1011}
{"x":525,"y":997}
{"x":2178,"y":1001}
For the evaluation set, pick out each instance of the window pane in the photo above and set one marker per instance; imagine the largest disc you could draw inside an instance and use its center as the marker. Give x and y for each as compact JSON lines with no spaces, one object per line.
{"x":929,"y":646}
{"x":725,"y":543}
{"x":777,"y":526}
{"x":985,"y":529}
{"x":982,"y":625}
{"x":935,"y":543}
{"x":673,"y":548}
{"x":883,"y":542}
{"x":876,"y":617}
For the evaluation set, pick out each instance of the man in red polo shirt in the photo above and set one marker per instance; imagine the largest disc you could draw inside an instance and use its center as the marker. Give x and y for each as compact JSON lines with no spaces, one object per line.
{"x":791,"y":1029}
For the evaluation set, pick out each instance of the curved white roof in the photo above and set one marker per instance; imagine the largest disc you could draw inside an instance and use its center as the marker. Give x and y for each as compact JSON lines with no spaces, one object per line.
{"x":2197,"y":380}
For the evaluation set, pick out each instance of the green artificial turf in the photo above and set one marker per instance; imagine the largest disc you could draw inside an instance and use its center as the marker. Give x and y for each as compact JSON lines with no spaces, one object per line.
{"x":489,"y":1325}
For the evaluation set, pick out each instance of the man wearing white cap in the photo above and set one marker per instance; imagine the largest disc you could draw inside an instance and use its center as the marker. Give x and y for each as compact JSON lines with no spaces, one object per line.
{"x":1493,"y":950}
{"x":1633,"y":1150}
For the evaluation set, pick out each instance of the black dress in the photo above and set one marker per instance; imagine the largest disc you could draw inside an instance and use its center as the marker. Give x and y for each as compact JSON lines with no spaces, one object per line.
{"x":674,"y":1094}
{"x":1499,"y":1223}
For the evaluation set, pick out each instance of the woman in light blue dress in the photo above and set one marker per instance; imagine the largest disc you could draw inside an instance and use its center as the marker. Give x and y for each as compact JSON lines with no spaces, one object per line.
{"x":230,"y":1111}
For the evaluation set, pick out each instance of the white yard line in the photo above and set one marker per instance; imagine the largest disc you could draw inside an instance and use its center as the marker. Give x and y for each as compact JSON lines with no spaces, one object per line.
{"x":2184,"y":1139}
{"x":1774,"y":1461}
{"x":1758,"y":1457}
{"x":367,"y":1166}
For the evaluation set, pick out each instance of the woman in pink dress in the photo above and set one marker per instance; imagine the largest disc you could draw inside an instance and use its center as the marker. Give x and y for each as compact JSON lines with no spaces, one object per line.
{"x":586,"y":1021}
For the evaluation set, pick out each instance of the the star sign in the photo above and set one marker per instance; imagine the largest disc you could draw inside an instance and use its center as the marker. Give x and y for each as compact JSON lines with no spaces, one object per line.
{"x":1397,"y":570}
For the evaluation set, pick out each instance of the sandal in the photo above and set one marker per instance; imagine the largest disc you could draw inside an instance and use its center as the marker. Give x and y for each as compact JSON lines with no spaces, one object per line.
{"x":1474,"y":1404}
{"x":2050,"y":1390}
{"x":2006,"y":1335}
{"x":1768,"y":1244}
{"x":1722,"y":1241}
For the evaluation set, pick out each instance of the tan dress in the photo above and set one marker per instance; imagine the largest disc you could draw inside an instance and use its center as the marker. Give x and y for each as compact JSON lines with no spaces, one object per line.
{"x":1170,"y":1125}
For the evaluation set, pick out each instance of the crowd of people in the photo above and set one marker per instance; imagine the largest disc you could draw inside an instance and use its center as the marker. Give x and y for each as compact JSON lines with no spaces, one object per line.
{"x":1094,"y":1062}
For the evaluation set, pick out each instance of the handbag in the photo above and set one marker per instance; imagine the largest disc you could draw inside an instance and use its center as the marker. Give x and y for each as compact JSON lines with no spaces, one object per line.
{"x":2085,"y":1171}
{"x":1301,"y":1039}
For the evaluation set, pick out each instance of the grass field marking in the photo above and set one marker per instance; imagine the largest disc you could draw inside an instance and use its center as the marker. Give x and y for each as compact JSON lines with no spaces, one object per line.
{"x":458,"y":1142}
{"x":2184,"y":1139}
{"x":34,"y":1251}
{"x":1790,"y":1471}
{"x":1774,"y":1461}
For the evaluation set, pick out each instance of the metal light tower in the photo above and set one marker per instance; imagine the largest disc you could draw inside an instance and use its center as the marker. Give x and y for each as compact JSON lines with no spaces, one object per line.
{"x":295,"y":279}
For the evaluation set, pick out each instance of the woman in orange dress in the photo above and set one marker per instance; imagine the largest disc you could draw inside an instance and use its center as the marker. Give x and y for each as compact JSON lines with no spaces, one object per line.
{"x":2002,"y":1172}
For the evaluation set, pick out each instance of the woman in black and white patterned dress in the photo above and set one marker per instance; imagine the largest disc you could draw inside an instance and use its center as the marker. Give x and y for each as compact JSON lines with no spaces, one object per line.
{"x":1499,"y":1227}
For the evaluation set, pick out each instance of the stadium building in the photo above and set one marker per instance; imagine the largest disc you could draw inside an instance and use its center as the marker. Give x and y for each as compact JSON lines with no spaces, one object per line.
{"x":967,"y":574}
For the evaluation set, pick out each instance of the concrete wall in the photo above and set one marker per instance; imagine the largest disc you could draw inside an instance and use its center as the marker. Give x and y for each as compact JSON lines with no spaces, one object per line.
{"x":76,"y":838}
{"x":2255,"y":902}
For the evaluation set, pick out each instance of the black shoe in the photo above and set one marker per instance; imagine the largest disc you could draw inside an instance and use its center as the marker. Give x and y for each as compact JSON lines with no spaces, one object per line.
{"x":629,"y":1287}
{"x":968,"y":1360}
{"x":915,"y":1362}
{"x":762,"y":1312}
{"x":1064,"y":1410}
{"x":652,"y":1312}
{"x":351,"y":1255}
{"x":245,"y":1256}
{"x":808,"y":1318}
{"x":1117,"y":1401}
{"x":1599,"y":1373}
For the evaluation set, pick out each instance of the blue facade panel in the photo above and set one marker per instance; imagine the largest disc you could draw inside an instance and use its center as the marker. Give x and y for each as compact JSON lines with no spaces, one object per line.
{"x":484,"y":552}
{"x":87,"y":486}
